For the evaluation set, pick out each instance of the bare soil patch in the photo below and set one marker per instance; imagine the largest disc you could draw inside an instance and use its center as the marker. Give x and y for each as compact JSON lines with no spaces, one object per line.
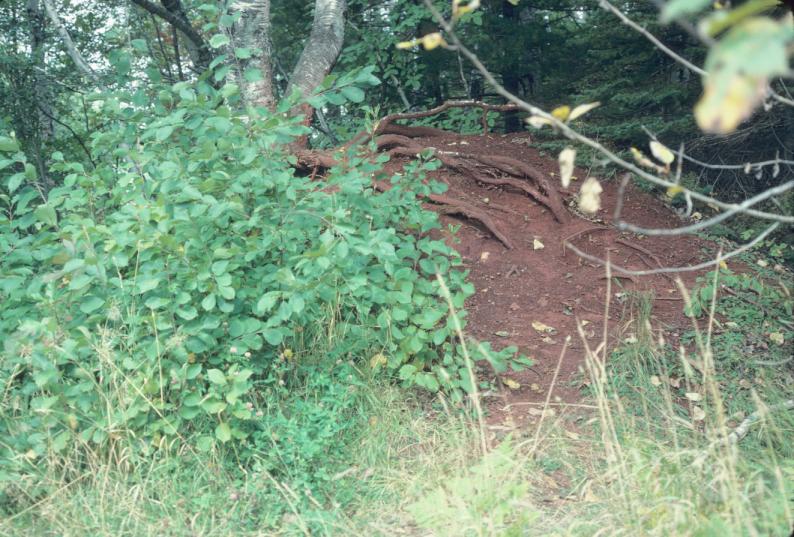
{"x":525,"y":284}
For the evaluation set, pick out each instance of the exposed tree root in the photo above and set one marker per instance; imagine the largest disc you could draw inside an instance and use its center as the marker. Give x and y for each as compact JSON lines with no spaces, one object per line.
{"x":447,"y":205}
{"x":400,"y":141}
{"x":386,"y":124}
{"x":476,"y":166}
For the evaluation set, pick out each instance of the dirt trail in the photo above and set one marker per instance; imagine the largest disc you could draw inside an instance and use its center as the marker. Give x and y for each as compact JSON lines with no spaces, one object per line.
{"x":549,"y":285}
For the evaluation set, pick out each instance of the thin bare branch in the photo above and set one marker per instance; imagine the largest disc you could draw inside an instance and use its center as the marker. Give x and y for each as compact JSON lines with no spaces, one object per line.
{"x":71,"y":49}
{"x":671,"y":270}
{"x":652,"y":38}
{"x":740,"y":208}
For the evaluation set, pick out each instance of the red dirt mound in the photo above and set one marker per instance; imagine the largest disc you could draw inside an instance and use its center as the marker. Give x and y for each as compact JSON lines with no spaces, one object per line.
{"x":549,"y":285}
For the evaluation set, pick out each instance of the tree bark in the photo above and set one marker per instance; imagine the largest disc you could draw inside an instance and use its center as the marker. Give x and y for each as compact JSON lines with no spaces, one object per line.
{"x":253,"y":31}
{"x":323,"y":48}
{"x":71,"y":49}
{"x":173,"y":12}
{"x":42,"y":91}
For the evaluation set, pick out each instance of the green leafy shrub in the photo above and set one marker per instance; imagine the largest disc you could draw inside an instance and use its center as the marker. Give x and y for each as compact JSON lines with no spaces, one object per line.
{"x":145,"y":296}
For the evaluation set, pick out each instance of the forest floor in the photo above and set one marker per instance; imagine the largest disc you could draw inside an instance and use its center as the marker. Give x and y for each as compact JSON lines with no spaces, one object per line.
{"x":658,"y":445}
{"x":540,"y":281}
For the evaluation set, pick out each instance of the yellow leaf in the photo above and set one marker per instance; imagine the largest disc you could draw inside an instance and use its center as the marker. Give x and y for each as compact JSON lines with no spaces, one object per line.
{"x":377,"y":361}
{"x":582,"y":109}
{"x":434,"y":40}
{"x":537,"y":245}
{"x":674,"y":190}
{"x":662,"y":153}
{"x":407,"y":44}
{"x":514,"y":2}
{"x":763,"y":263}
{"x":644,"y":161}
{"x":543,"y":328}
{"x":510,"y":383}
{"x":725,"y":105}
{"x":723,"y":265}
{"x":590,"y":196}
{"x":538,"y":122}
{"x":693,"y":396}
{"x":458,"y":10}
{"x":561,"y":112}
{"x":567,"y":159}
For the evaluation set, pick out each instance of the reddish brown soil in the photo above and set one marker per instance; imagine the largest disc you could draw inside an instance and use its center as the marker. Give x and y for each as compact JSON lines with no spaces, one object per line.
{"x":518,"y":287}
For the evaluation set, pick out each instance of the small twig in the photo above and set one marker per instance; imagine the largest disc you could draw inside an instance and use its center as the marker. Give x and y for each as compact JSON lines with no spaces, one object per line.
{"x":642,"y":250}
{"x":736,"y":209}
{"x":690,"y":268}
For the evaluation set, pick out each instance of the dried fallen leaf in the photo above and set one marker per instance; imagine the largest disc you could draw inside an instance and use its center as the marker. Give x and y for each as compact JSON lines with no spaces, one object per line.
{"x":484,"y":256}
{"x":377,"y":360}
{"x":510,"y":383}
{"x":543,"y":328}
{"x":502,"y":333}
{"x":763,"y":263}
{"x":693,"y":396}
{"x":535,"y":387}
{"x":537,"y":245}
{"x":572,"y":435}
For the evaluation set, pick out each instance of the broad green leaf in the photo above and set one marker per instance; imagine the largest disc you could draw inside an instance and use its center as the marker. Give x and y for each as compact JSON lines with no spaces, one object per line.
{"x":8,"y":145}
{"x":242,"y":53}
{"x":353,"y":94}
{"x":147,"y":284}
{"x":47,"y":215}
{"x":223,"y":432}
{"x":91,"y":304}
{"x":266,"y":303}
{"x":14,"y":181}
{"x":216,"y":376}
{"x":163,"y":133}
{"x":204,"y":443}
{"x":209,"y":302}
{"x":219,"y":40}
{"x":213,"y":406}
